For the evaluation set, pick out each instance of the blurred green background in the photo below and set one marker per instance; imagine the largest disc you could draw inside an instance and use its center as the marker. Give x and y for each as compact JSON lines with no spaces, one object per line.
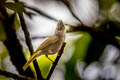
{"x":92,"y":50}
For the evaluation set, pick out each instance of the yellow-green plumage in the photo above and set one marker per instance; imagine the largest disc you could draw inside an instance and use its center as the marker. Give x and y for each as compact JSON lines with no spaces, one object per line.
{"x":31,"y":59}
{"x":50,"y":46}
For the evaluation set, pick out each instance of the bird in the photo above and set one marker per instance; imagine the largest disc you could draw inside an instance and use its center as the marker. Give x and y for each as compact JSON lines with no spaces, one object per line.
{"x":50,"y":46}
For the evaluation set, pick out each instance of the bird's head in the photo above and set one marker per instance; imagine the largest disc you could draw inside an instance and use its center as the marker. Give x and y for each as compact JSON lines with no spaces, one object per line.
{"x":60,"y":28}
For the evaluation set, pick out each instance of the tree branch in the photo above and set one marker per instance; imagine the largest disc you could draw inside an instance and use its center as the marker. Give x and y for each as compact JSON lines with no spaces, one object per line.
{"x":56,"y":61}
{"x":29,"y":44}
{"x":40,"y":12}
{"x":97,"y":34}
{"x":65,"y":2}
{"x":15,"y":76}
{"x":68,"y":5}
{"x":12,"y":43}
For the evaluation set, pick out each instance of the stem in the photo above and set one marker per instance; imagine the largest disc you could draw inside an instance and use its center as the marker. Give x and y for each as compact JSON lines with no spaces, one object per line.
{"x":15,"y":76}
{"x":97,"y":35}
{"x":56,"y":61}
{"x":29,"y":44}
{"x":12,"y":43}
{"x":68,"y":5}
{"x":40,"y":12}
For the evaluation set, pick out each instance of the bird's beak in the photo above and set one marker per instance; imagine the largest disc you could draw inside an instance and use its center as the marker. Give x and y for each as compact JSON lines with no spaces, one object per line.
{"x":60,"y":25}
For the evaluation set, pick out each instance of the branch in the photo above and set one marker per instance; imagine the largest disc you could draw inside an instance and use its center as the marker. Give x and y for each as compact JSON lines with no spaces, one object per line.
{"x":97,"y":34}
{"x":15,"y":76}
{"x":40,"y":12}
{"x":12,"y":43}
{"x":56,"y":61}
{"x":29,"y":44}
{"x":68,"y":5}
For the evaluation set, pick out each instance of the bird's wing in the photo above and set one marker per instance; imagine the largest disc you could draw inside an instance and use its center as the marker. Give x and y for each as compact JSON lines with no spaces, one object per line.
{"x":49,"y":41}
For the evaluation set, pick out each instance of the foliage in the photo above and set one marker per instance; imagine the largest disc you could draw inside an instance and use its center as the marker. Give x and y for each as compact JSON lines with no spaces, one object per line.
{"x":81,"y":46}
{"x":89,"y":48}
{"x":2,"y":32}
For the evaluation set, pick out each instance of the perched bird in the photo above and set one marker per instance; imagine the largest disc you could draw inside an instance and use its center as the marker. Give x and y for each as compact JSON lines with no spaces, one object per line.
{"x":50,"y":46}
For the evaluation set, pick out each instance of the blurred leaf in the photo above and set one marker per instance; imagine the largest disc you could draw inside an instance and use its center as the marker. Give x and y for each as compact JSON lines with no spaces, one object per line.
{"x":45,"y":64}
{"x":81,"y":46}
{"x":3,"y":55}
{"x":27,"y":56}
{"x":3,"y":51}
{"x":118,"y":37}
{"x":17,"y":7}
{"x":115,"y":12}
{"x":105,"y":5}
{"x":94,"y":51}
{"x":114,"y":28}
{"x":2,"y":2}
{"x":16,"y":22}
{"x":111,"y":28}
{"x":2,"y":32}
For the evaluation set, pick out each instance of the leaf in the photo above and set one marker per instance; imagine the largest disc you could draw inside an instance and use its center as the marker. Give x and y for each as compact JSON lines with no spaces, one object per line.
{"x":2,"y":32}
{"x":16,"y":22}
{"x":110,"y":27}
{"x":45,"y":64}
{"x":105,"y":5}
{"x":94,"y":51}
{"x":81,"y":46}
{"x":17,"y":6}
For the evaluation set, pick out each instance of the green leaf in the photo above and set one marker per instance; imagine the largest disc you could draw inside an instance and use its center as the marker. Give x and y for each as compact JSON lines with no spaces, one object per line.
{"x":16,"y":22}
{"x":94,"y":51}
{"x":17,"y":6}
{"x":81,"y":46}
{"x":45,"y":64}
{"x":2,"y":32}
{"x":105,"y":5}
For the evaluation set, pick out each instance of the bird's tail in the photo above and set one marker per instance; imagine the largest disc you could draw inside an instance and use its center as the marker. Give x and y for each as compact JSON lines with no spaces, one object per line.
{"x":33,"y":57}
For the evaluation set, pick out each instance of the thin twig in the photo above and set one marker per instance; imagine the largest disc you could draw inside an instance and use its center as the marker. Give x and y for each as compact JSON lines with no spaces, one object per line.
{"x":68,"y":5}
{"x":40,"y":12}
{"x":56,"y":61}
{"x":97,"y":34}
{"x":15,"y":76}
{"x":29,"y":44}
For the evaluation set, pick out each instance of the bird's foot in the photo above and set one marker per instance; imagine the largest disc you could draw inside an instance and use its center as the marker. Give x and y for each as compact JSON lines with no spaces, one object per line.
{"x":49,"y":59}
